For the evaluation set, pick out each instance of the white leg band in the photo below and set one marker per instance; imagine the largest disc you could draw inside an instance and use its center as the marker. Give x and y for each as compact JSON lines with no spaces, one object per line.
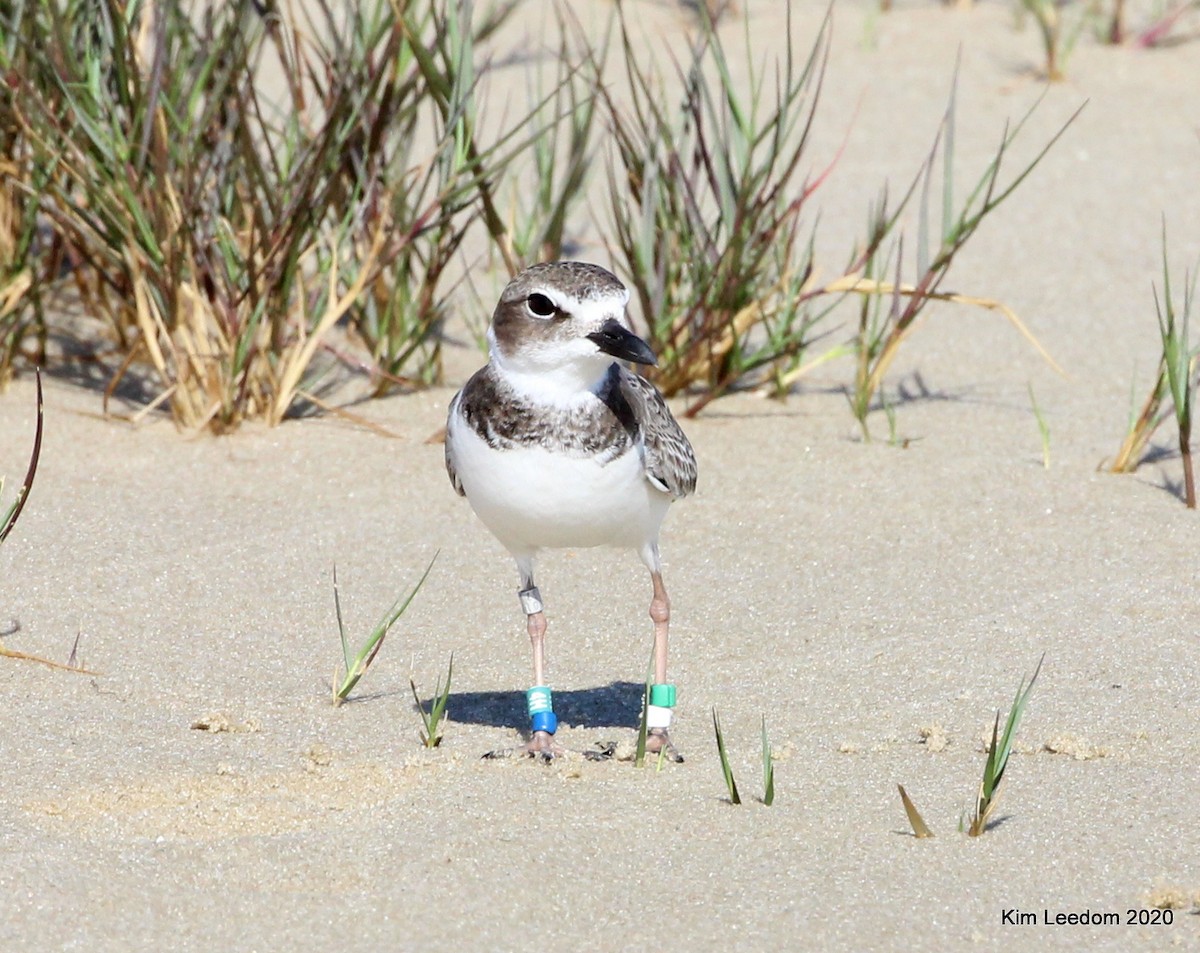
{"x":531,"y":600}
{"x":658,"y":717}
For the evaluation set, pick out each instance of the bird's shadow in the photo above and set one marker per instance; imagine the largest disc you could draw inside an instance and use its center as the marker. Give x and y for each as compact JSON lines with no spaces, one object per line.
{"x":616,"y":705}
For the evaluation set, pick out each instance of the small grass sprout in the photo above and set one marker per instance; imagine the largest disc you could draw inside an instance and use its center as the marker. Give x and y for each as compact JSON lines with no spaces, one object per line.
{"x":1175,"y":379}
{"x":920,"y":828}
{"x":434,"y":720}
{"x":1057,"y":33}
{"x":997,"y":756}
{"x":768,"y":767}
{"x":1043,"y":428}
{"x":726,"y":770}
{"x":356,"y":667}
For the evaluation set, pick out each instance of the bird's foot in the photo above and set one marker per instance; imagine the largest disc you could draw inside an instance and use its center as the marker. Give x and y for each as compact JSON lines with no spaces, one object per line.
{"x":659,"y":742}
{"x":541,"y":746}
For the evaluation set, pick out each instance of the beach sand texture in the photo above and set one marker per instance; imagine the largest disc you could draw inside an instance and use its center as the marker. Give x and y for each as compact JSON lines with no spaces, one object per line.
{"x":859,"y":595}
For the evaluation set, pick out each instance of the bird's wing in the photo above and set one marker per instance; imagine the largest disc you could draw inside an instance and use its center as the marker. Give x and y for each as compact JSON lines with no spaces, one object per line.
{"x":669,"y":459}
{"x":449,"y":445}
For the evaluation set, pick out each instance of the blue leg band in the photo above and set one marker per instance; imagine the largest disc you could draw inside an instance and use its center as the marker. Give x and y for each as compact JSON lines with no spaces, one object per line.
{"x":541,"y":709}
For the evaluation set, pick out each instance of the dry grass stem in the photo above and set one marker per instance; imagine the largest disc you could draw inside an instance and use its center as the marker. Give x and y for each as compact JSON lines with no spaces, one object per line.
{"x":919,"y":827}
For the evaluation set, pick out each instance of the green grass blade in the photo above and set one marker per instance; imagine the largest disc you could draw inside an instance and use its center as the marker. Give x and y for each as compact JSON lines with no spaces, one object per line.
{"x":14,"y":511}
{"x":726,"y":770}
{"x":643,"y":730}
{"x":768,"y":767}
{"x":1043,"y":428}
{"x":337,"y":608}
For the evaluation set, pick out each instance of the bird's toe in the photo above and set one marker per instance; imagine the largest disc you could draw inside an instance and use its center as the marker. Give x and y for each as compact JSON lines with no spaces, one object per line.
{"x":659,"y":742}
{"x":541,"y":747}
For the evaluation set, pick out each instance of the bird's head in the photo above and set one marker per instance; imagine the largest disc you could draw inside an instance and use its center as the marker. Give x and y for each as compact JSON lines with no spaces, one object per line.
{"x":559,"y":325}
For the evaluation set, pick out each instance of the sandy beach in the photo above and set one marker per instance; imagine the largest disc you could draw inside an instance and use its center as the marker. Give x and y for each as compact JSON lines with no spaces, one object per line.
{"x":877,"y":603}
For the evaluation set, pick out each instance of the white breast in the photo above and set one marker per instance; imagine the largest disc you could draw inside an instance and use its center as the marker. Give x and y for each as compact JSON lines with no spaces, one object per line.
{"x":531,"y":498}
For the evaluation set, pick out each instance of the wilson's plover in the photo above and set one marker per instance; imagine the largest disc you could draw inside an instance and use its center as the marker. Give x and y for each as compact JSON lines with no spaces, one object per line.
{"x":555,"y":445}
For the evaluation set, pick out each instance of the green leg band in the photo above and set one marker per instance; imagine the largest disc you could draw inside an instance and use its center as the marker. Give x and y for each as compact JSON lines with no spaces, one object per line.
{"x":662,"y":695}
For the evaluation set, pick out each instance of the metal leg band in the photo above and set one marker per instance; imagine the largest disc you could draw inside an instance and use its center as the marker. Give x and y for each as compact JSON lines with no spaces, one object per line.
{"x":531,"y":600}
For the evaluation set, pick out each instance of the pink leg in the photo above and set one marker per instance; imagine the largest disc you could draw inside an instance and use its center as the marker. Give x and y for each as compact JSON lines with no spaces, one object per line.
{"x":541,"y":744}
{"x":660,"y":613}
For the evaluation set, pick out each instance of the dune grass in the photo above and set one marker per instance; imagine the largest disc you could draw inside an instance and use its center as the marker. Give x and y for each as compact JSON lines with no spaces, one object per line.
{"x":882,"y":331}
{"x":708,"y":219}
{"x":207,"y":226}
{"x":705,"y":208}
{"x":242,"y":246}
{"x":639,"y":755}
{"x":768,"y":763}
{"x":220,"y":229}
{"x":1059,"y":29}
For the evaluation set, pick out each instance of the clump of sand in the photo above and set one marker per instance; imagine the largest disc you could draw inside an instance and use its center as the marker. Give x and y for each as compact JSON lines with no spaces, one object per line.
{"x":933,"y":737}
{"x":1076,"y":747}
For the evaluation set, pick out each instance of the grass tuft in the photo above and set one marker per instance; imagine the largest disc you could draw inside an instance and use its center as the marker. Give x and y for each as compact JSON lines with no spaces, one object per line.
{"x":356,"y":667}
{"x":1178,"y":365}
{"x":705,"y":206}
{"x":881,"y":331}
{"x":1057,"y":33}
{"x":726,"y":770}
{"x":219,"y":228}
{"x":1179,"y":361}
{"x":434,"y":719}
{"x":997,"y":756}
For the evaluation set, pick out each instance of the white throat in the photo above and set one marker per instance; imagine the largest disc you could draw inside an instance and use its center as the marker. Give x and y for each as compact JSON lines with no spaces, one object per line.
{"x":559,"y":374}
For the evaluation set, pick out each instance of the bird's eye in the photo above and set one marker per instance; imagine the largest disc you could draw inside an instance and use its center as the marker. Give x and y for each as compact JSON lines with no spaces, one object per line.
{"x":540,"y":305}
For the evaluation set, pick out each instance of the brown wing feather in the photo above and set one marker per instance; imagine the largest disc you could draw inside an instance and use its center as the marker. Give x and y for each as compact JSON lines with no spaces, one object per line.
{"x":449,"y":447}
{"x":670,"y":460}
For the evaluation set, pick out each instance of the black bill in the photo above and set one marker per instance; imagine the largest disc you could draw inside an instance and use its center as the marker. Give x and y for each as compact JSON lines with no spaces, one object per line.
{"x":615,"y":339}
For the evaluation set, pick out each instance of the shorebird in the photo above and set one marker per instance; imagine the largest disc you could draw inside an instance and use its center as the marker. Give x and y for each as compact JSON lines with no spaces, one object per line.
{"x":557,"y":445}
